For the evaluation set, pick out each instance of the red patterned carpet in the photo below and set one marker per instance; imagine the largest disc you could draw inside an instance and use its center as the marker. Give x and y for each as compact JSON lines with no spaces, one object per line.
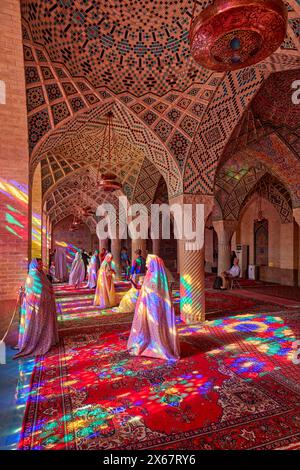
{"x":235,"y":387}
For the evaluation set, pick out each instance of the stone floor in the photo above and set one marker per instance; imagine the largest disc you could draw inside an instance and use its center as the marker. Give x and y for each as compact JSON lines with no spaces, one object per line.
{"x":14,"y":383}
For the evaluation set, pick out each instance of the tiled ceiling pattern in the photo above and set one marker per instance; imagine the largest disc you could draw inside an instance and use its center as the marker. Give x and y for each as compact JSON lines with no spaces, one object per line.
{"x":239,"y":179}
{"x":71,"y":197}
{"x":136,"y":46}
{"x":81,"y":139}
{"x":270,"y":131}
{"x":81,"y":56}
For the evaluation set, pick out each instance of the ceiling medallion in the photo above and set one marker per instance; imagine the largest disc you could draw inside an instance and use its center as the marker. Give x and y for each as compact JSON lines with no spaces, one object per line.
{"x":108,"y":181}
{"x":233,"y":34}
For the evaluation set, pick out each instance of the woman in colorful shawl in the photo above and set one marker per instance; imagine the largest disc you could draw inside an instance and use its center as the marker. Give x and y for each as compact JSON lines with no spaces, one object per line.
{"x":153,"y":332}
{"x":38,"y":325}
{"x":77,"y":273}
{"x":92,"y":270}
{"x":105,"y":290}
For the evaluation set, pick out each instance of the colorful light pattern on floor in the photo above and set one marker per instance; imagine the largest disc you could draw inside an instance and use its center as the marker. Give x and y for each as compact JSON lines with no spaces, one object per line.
{"x":101,"y":397}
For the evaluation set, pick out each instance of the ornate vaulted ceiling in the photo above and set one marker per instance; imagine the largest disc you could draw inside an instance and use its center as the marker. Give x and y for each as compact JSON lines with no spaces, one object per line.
{"x":136,"y":46}
{"x":173,"y":118}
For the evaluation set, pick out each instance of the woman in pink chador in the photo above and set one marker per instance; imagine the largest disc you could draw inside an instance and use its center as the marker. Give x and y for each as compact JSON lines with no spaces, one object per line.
{"x":38,"y":326}
{"x":153,"y":332}
{"x":77,"y":272}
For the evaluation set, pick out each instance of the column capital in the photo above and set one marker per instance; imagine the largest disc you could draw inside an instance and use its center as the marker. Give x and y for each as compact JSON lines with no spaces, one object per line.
{"x":225,"y":227}
{"x":205,"y":199}
{"x":296,"y":214}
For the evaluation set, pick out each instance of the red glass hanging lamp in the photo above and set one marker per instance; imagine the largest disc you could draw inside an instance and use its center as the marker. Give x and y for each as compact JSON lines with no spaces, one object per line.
{"x":233,"y":34}
{"x":108,"y":180}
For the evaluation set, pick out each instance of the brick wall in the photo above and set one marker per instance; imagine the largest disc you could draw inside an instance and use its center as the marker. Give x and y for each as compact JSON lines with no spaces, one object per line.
{"x":13,"y":155}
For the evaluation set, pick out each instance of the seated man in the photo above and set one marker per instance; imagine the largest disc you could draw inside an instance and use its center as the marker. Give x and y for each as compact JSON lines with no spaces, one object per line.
{"x":228,"y":276}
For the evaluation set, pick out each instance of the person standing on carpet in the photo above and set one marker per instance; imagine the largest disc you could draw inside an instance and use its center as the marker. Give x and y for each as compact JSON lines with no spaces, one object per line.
{"x":105,"y":290}
{"x":85,"y":259}
{"x":38,"y":330}
{"x":92,"y":270}
{"x":77,"y":273}
{"x":61,"y":270}
{"x":153,"y":332}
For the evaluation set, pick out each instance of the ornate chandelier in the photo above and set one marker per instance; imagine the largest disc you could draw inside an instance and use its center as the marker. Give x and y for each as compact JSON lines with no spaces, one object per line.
{"x":86,"y":184}
{"x":233,"y":34}
{"x":108,"y":181}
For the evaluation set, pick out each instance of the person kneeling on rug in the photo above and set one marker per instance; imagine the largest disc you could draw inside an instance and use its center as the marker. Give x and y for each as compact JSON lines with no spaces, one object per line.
{"x":105,"y":290}
{"x":129,"y":300}
{"x":228,"y":276}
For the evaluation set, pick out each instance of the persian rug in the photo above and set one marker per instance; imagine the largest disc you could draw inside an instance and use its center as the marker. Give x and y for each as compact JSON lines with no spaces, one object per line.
{"x":65,"y":289}
{"x":228,"y":302}
{"x":79,"y":311}
{"x":235,"y":387}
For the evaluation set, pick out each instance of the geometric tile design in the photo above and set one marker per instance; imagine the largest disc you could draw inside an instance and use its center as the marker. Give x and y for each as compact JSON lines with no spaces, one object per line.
{"x":179,"y":146}
{"x":69,"y":88}
{"x":38,"y":125}
{"x":138,"y":46}
{"x":31,"y":75}
{"x":53,"y":92}
{"x":60,"y":112}
{"x":96,"y":54}
{"x":189,"y":125}
{"x":220,"y":119}
{"x":35,"y":98}
{"x":77,"y":104}
{"x":237,"y":182}
{"x":163,"y":129}
{"x":71,"y":141}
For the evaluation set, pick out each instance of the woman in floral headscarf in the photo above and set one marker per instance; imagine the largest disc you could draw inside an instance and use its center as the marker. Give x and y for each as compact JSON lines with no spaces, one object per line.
{"x":38,"y":326}
{"x":105,"y":290}
{"x":153,"y":332}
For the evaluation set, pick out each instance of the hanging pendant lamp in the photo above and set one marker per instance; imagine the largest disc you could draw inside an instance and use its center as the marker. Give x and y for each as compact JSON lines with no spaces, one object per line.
{"x":108,"y":181}
{"x":233,"y":34}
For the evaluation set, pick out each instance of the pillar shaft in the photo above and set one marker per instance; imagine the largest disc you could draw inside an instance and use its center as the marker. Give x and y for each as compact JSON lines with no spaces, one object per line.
{"x":138,"y":244}
{"x":103,"y":244}
{"x":115,"y":251}
{"x":156,"y":246}
{"x":225,"y":229}
{"x":191,"y":262}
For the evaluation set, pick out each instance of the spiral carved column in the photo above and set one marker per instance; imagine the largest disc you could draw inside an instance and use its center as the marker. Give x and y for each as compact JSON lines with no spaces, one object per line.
{"x":191,"y":261}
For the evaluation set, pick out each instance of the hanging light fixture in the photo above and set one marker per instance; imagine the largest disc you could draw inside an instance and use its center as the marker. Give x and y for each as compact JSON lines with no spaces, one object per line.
{"x":86,"y":184}
{"x":233,"y":34}
{"x":108,"y":181}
